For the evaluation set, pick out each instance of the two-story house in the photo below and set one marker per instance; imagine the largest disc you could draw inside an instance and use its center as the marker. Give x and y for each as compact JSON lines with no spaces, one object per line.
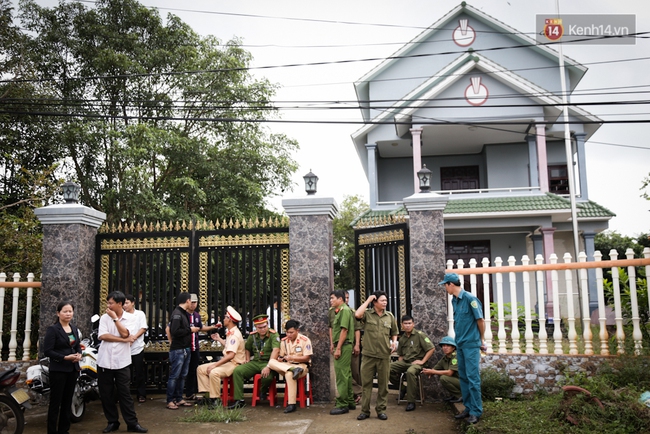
{"x":480,"y":104}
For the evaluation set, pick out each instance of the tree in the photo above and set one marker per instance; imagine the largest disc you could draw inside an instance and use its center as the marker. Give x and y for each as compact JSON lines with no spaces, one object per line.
{"x":608,"y":240}
{"x":345,"y":261}
{"x":155,"y":122}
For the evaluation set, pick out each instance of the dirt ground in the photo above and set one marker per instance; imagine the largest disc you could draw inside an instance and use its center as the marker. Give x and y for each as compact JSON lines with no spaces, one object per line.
{"x":427,"y":418}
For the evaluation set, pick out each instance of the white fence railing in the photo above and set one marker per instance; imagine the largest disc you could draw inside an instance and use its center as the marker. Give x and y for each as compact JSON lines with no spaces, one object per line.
{"x":543,"y":284}
{"x":26,"y":343}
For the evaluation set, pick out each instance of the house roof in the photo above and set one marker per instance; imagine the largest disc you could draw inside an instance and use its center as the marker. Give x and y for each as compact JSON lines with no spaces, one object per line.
{"x":574,"y":68}
{"x":492,"y":206}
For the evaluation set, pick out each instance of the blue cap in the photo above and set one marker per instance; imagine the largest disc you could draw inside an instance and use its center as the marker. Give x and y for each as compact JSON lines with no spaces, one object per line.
{"x":450,"y":278}
{"x":448,"y":340}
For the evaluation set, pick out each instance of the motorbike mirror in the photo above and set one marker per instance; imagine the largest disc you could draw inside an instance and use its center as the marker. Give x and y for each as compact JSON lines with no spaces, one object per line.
{"x":94,"y":318}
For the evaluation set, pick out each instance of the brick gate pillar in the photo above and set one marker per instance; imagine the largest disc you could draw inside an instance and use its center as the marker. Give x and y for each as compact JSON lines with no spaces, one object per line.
{"x":427,"y":251}
{"x":311,"y":279}
{"x":68,"y":262}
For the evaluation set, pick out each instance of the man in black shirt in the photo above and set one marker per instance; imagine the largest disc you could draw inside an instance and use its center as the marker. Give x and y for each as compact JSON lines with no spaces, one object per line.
{"x":179,"y":351}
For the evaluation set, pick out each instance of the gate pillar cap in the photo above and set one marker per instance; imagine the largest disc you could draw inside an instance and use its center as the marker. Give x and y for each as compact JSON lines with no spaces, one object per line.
{"x":425,"y":202}
{"x":311,"y":206}
{"x":66,"y":214}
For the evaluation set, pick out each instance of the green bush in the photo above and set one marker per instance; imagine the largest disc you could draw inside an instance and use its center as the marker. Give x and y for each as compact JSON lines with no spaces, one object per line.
{"x":495,"y":384}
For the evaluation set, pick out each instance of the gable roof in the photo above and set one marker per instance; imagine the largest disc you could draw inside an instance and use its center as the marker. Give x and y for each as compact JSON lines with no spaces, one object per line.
{"x":575,"y":70}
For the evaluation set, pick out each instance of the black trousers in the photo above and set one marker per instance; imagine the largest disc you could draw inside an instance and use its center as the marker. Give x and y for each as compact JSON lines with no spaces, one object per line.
{"x":61,"y":390}
{"x":140,"y":380}
{"x":191,"y":384}
{"x":114,"y":385}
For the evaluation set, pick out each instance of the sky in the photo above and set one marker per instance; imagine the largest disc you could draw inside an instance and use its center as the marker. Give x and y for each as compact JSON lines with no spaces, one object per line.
{"x":289,"y":32}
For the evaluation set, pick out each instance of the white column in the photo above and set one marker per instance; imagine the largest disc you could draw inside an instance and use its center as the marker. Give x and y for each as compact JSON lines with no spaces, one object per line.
{"x":371,"y":149}
{"x":541,"y":158}
{"x":416,"y":135}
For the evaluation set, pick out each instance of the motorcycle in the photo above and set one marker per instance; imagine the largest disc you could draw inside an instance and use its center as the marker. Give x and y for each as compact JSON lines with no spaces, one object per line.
{"x":13,"y":402}
{"x":86,"y":388}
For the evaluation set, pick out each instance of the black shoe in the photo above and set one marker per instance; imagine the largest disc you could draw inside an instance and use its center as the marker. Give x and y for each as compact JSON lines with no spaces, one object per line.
{"x":290,"y":408}
{"x":297,"y":372}
{"x":410,"y":406}
{"x":363,"y":416}
{"x":264,"y":396}
{"x":382,"y":416}
{"x":205,"y":401}
{"x":339,"y":410}
{"x":137,"y":428}
{"x":455,"y":400}
{"x":112,"y":426}
{"x":352,"y":406}
{"x":462,"y":415}
{"x":237,"y":404}
{"x":472,"y":419}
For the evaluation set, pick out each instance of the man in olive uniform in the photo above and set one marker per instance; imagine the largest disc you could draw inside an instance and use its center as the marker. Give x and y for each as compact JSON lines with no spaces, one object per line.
{"x":414,"y":350}
{"x":209,"y":375}
{"x":447,"y":368}
{"x":342,"y":338}
{"x":261,"y":346}
{"x":379,"y":341}
{"x":293,"y":362}
{"x":355,"y":364}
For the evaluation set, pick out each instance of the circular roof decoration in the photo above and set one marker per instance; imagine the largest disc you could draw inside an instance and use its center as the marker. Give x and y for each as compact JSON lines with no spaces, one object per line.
{"x":463,"y":35}
{"x":476,"y":93}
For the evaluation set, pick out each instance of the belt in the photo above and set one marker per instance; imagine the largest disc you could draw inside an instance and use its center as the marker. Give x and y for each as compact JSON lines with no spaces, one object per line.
{"x":344,"y":343}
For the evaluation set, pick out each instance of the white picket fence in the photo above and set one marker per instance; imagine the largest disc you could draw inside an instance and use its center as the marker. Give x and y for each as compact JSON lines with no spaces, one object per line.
{"x":17,"y":286}
{"x":539,"y":280}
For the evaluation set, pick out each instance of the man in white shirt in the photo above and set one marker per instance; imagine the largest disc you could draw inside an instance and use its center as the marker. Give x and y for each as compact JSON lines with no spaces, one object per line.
{"x":137,"y":346}
{"x":114,"y":364}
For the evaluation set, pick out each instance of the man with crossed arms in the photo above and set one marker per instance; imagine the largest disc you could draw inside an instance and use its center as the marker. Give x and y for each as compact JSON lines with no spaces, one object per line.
{"x":209,"y":375}
{"x":295,"y":356}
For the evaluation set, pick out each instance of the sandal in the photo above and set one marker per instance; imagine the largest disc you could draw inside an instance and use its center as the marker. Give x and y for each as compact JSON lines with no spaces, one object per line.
{"x":172,"y":406}
{"x":183,"y":403}
{"x":142,"y":399}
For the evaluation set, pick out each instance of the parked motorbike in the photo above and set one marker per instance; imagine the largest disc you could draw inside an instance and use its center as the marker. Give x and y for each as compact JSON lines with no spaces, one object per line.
{"x":13,"y":402}
{"x":85,"y":389}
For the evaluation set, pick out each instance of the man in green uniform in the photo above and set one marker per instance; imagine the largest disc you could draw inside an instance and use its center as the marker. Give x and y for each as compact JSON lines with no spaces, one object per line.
{"x":379,"y":341}
{"x":414,"y":350}
{"x":355,"y":364}
{"x":447,"y":368}
{"x":261,"y":346}
{"x":342,"y":338}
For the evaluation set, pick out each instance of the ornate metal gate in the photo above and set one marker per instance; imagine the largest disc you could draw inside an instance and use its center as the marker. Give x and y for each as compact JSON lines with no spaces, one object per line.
{"x":383,"y":261}
{"x":243,"y":264}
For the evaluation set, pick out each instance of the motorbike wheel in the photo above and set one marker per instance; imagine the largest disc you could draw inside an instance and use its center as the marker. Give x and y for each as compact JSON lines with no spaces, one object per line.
{"x":12,"y":419}
{"x":78,"y":406}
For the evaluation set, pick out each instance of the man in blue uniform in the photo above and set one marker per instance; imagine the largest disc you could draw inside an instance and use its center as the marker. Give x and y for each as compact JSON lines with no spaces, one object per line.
{"x":468,"y":327}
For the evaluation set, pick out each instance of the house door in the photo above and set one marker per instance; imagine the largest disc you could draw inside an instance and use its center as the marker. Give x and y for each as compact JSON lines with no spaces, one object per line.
{"x":466,"y":250}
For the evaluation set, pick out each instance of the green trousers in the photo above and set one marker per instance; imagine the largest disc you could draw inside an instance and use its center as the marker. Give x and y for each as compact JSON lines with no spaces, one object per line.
{"x":452,"y":384}
{"x":246,"y":371}
{"x":344,"y":378}
{"x":370,"y":366}
{"x":398,"y":368}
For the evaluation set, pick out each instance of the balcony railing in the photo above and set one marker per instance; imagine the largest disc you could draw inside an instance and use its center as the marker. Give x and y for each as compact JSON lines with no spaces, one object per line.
{"x":23,"y":295}
{"x":543,"y":282}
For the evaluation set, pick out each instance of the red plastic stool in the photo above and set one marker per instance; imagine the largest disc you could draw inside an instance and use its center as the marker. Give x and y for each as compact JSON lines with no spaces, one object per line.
{"x":257,"y":388}
{"x":227,"y":390}
{"x":303,"y":397}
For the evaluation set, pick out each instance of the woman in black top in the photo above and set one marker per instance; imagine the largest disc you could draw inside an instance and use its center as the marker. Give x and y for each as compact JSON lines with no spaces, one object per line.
{"x":61,"y":345}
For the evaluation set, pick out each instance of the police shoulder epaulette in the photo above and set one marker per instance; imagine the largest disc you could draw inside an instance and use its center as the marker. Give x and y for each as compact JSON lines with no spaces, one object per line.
{"x":253,"y":332}
{"x":304,"y":338}
{"x":285,"y":338}
{"x":272,"y":331}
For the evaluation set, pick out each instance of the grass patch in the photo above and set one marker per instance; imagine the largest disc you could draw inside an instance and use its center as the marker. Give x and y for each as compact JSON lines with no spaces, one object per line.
{"x":200,"y":414}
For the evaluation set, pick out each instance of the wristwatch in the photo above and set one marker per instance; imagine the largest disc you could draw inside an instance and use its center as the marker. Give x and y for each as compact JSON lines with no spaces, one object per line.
{"x":115,"y":320}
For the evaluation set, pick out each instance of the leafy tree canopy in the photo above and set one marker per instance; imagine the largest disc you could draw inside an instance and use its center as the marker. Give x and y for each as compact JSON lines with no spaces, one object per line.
{"x":608,"y":240}
{"x":345,"y":264}
{"x":152,"y":120}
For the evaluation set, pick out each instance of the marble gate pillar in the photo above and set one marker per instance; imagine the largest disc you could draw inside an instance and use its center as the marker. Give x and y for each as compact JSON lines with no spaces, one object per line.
{"x":311,"y":280}
{"x":427,"y":256}
{"x":69,"y":232}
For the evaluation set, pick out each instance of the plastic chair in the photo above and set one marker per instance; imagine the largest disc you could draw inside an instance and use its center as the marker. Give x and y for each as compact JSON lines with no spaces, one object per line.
{"x":401,"y":384}
{"x":227,"y":390}
{"x":257,"y":388}
{"x":304,"y":396}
